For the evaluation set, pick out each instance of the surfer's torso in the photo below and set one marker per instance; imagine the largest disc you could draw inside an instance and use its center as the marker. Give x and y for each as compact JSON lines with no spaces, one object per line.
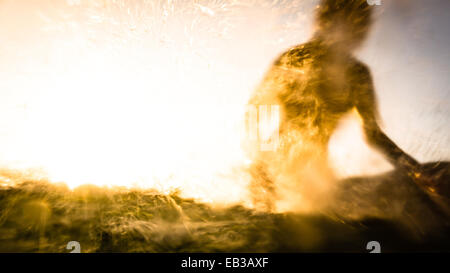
{"x":314,"y":87}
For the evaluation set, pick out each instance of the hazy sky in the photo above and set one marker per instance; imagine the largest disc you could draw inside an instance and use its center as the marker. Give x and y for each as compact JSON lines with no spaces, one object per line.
{"x":410,"y":60}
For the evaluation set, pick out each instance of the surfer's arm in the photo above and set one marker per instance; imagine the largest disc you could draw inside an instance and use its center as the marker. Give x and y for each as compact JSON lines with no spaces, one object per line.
{"x":365,"y":103}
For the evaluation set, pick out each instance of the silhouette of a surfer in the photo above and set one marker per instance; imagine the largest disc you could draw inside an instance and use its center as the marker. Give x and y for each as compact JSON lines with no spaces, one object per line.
{"x":315,"y":84}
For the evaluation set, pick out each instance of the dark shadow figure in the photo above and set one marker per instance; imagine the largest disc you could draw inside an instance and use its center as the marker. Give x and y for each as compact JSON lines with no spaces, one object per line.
{"x":316,"y":84}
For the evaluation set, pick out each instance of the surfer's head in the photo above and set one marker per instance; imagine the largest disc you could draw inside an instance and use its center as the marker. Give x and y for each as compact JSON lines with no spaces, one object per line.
{"x":343,"y":23}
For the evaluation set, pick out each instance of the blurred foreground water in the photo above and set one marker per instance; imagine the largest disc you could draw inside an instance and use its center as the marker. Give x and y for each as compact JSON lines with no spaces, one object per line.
{"x":38,"y":216}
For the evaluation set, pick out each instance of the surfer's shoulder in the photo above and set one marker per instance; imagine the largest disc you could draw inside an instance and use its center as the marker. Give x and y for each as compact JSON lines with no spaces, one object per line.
{"x":298,"y":55}
{"x":358,"y":67}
